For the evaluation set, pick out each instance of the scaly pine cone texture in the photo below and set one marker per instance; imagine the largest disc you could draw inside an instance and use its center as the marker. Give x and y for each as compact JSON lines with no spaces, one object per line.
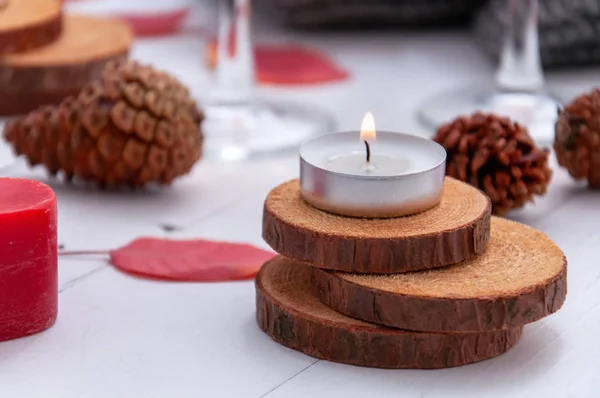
{"x":497,"y":156}
{"x":134,"y":126}
{"x":577,"y":138}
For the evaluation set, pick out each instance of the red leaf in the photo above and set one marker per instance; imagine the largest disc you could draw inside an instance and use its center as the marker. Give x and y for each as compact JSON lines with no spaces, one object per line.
{"x":190,"y":260}
{"x":289,"y":65}
{"x":155,"y":24}
{"x":295,"y":65}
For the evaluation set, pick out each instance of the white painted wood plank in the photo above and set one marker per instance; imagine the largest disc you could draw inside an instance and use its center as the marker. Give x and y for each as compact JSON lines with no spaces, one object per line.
{"x":123,"y":337}
{"x":192,"y":197}
{"x":242,"y":221}
{"x":6,"y":156}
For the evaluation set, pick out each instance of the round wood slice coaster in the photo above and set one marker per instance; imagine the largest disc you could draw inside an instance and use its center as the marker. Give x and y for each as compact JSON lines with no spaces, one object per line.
{"x":520,"y":278}
{"x":456,"y":229}
{"x":65,"y":66}
{"x":27,"y":24}
{"x":288,"y":310}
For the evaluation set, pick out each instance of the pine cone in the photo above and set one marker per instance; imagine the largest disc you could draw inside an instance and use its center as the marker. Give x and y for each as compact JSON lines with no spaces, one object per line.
{"x":577,"y":138}
{"x":134,"y":126}
{"x":497,"y":156}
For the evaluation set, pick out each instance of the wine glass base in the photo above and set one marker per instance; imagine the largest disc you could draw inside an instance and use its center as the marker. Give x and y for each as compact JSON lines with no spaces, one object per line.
{"x":537,"y":111}
{"x":237,"y":131}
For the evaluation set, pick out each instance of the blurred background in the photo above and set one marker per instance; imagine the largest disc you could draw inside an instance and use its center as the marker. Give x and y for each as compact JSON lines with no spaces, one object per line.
{"x":414,"y":63}
{"x":306,"y":67}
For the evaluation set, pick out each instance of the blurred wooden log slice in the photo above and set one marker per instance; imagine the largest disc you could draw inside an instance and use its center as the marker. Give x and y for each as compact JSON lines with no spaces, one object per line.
{"x":47,"y":75}
{"x":28,"y":24}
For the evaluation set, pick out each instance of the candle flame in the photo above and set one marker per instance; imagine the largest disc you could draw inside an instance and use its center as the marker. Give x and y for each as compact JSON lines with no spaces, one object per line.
{"x":367,"y":128}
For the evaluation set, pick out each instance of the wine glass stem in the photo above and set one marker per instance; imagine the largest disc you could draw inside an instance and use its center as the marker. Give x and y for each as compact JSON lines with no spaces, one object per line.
{"x":235,"y":58}
{"x":520,"y":66}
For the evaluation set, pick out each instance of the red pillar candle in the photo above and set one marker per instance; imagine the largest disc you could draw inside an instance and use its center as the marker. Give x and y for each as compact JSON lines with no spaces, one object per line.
{"x":28,"y":258}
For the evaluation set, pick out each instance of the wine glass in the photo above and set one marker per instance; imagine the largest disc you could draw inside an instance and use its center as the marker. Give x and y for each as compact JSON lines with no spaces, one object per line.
{"x":238,"y":123}
{"x":518,"y":90}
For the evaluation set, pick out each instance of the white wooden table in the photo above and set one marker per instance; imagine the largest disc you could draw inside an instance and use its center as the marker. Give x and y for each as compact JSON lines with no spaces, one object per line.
{"x":117,"y":336}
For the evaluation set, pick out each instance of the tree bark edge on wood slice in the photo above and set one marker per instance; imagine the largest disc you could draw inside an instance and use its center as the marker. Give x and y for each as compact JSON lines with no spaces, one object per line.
{"x":289,"y":312}
{"x":436,"y":301}
{"x":29,"y":24}
{"x":455,"y":230}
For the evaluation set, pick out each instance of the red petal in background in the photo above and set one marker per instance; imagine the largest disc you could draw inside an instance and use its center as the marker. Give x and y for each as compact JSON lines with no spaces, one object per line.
{"x":189,"y":260}
{"x":155,"y":24}
{"x":145,"y":22}
{"x":295,"y":65}
{"x":289,"y":65}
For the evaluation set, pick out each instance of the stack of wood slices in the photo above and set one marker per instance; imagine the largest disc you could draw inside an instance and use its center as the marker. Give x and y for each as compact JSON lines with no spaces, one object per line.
{"x":446,"y":287}
{"x":47,"y":55}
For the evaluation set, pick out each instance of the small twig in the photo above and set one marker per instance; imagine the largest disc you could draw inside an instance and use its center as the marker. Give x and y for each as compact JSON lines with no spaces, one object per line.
{"x":83,"y":253}
{"x":168,"y":227}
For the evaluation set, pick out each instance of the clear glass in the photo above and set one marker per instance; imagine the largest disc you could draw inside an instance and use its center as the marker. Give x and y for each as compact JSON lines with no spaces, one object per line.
{"x":238,"y":123}
{"x":518,"y":90}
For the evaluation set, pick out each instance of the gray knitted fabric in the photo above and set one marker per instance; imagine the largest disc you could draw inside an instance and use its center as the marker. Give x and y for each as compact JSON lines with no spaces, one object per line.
{"x":357,"y":13}
{"x":569,"y":30}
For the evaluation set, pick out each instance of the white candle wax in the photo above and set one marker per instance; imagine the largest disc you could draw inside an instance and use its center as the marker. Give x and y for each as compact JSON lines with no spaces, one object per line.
{"x":380,"y":164}
{"x":404,"y":175}
{"x":392,"y":154}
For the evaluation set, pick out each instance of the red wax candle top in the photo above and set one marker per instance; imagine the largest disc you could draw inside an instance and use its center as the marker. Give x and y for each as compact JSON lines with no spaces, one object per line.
{"x":28,"y":257}
{"x":18,"y":194}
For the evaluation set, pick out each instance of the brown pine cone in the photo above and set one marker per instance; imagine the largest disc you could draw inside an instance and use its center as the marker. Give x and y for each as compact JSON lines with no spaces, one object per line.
{"x":497,"y":156}
{"x":134,"y":126}
{"x":577,"y":138}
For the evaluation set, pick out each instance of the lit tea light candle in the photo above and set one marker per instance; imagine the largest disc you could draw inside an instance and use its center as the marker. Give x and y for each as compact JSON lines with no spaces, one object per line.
{"x":368,"y":160}
{"x":372,"y":174}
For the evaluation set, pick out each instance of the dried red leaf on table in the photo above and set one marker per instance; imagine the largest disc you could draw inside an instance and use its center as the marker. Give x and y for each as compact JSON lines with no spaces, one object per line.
{"x":295,"y":65}
{"x":196,"y":260}
{"x":289,"y":65}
